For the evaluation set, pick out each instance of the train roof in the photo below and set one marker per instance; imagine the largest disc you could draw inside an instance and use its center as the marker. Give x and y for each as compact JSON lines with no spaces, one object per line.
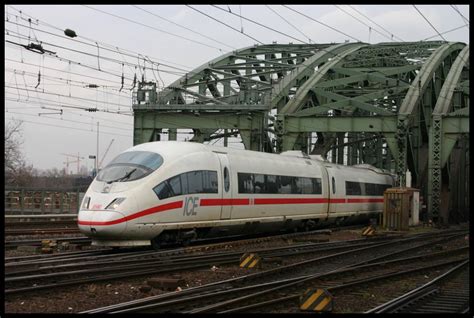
{"x":176,"y":149}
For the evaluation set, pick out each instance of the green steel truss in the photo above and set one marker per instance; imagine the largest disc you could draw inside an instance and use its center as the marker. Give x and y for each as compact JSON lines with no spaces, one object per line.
{"x":398,"y":106}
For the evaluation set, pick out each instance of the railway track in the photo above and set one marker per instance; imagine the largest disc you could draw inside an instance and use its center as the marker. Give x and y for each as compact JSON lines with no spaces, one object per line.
{"x":48,"y":223}
{"x":137,"y":263}
{"x":219,"y":295}
{"x":41,"y":231}
{"x":352,"y":277}
{"x":447,"y":293}
{"x":10,"y":244}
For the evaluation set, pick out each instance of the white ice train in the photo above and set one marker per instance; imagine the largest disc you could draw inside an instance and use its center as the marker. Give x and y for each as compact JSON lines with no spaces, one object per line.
{"x":171,"y":191}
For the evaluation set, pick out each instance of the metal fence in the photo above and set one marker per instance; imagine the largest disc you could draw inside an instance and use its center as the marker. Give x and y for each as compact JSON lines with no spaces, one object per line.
{"x":24,"y":200}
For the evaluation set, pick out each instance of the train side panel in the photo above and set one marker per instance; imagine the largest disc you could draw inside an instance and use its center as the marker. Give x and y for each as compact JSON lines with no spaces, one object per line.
{"x":282,"y":205}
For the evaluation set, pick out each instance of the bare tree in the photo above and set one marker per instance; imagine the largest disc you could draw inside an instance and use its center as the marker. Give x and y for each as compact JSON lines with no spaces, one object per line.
{"x":17,"y":171}
{"x":14,"y":161}
{"x":12,"y":145}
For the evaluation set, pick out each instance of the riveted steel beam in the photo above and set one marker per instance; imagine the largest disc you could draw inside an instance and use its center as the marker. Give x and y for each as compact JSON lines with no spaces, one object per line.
{"x":306,"y":69}
{"x":426,"y":75}
{"x":201,"y":107}
{"x":444,"y":132}
{"x":376,"y":124}
{"x":415,"y":93}
{"x":295,"y":103}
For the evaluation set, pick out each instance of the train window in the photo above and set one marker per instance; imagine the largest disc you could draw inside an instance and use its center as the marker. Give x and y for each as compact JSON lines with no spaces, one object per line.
{"x":273,"y":184}
{"x":382,"y":187}
{"x":259,"y":183}
{"x":285,"y":183}
{"x":203,"y":181}
{"x":333,"y":186}
{"x":148,"y":159}
{"x":372,"y":189}
{"x":195,"y":182}
{"x":210,"y":181}
{"x":175,"y":185}
{"x":317,"y":188}
{"x":129,"y":166}
{"x":163,"y":191}
{"x":245,"y":182}
{"x":184,"y":183}
{"x":353,"y":188}
{"x":307,"y":186}
{"x":297,"y":186}
{"x":359,"y":188}
{"x":226,"y":179}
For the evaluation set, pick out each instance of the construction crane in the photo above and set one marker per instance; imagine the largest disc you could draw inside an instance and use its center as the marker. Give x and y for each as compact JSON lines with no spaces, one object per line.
{"x":105,"y":153}
{"x":78,"y":160}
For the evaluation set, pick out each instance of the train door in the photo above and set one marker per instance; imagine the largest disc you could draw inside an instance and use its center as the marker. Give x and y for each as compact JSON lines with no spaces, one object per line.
{"x":332,"y":187}
{"x":326,"y":187}
{"x":226,"y":208}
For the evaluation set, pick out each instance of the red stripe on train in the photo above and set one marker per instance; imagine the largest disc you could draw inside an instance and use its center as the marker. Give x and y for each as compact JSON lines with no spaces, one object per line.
{"x":290,"y":200}
{"x":156,"y":209}
{"x":365,"y":200}
{"x":212,"y":202}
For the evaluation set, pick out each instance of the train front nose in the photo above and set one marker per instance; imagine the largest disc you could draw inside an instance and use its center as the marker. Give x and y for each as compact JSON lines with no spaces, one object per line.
{"x":102,"y":223}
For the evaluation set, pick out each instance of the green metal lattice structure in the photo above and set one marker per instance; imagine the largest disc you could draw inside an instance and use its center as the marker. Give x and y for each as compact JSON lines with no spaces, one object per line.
{"x":397,"y":106}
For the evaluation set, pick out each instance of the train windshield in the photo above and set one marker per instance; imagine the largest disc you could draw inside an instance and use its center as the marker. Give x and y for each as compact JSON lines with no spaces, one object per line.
{"x":129,"y":166}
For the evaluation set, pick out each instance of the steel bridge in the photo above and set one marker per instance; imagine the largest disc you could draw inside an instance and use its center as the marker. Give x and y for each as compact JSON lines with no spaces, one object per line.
{"x":399,"y":106}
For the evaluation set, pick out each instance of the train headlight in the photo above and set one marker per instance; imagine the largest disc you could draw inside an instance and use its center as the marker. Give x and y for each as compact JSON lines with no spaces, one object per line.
{"x":114,"y":204}
{"x":85,"y":203}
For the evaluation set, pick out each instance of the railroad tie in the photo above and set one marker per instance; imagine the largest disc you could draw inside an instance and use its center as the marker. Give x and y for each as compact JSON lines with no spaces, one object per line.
{"x":316,"y":299}
{"x":250,"y":260}
{"x":368,"y":231}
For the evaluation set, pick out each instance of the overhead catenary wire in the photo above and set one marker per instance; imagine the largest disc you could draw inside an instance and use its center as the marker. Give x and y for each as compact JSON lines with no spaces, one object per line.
{"x":89,"y":66}
{"x":73,"y":62}
{"x":357,"y":19}
{"x":42,"y":101}
{"x":109,"y":59}
{"x":182,"y":26}
{"x":294,"y":27}
{"x":259,"y":24}
{"x":62,"y":71}
{"x":60,"y":80}
{"x":68,"y":120}
{"x":158,"y":74}
{"x":241,"y":32}
{"x":448,"y":31}
{"x":104,"y":45}
{"x":115,"y":49}
{"x":459,"y":12}
{"x":150,"y":27}
{"x":61,"y":95}
{"x":391,"y":34}
{"x":429,"y":23}
{"x":69,"y":127}
{"x":326,"y":25}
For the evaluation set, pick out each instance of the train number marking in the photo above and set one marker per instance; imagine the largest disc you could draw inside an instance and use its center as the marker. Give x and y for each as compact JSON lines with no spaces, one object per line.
{"x":190,"y":204}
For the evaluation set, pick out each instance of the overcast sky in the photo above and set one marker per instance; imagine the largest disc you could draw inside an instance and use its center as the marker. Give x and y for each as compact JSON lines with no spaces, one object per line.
{"x":63,"y":82}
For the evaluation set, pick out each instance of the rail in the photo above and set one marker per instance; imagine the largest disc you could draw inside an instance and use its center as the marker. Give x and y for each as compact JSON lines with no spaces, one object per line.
{"x":417,"y":293}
